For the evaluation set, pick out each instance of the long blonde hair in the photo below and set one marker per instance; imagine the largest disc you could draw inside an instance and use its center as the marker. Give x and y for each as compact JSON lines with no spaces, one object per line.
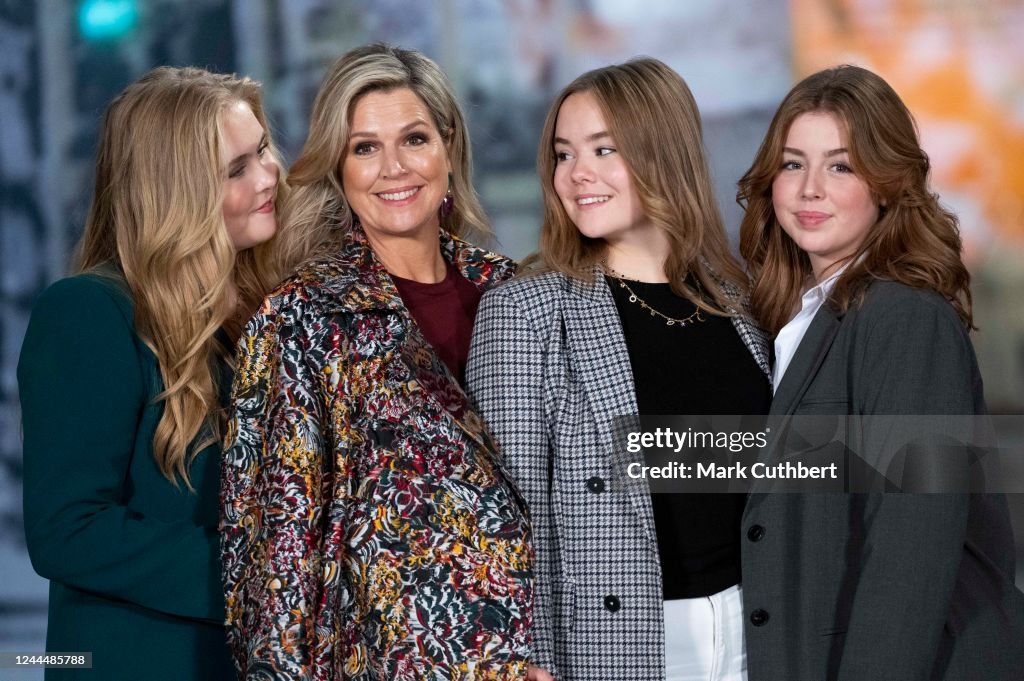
{"x":915,"y":241}
{"x":157,"y":217}
{"x":317,"y":216}
{"x":654,"y":120}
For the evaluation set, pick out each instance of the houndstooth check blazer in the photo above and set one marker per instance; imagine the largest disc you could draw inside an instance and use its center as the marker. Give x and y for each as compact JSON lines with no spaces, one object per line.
{"x":549,"y":369}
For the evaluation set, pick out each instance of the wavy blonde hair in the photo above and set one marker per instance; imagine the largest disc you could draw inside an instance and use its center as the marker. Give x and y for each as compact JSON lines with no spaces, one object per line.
{"x":157,"y":217}
{"x":653,"y":118}
{"x":317,"y":215}
{"x":915,"y":240}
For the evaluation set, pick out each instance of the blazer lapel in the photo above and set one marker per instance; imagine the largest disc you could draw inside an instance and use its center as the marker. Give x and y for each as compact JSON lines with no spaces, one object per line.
{"x":598,"y":348}
{"x":811,"y":352}
{"x":756,"y":341}
{"x":808,"y":358}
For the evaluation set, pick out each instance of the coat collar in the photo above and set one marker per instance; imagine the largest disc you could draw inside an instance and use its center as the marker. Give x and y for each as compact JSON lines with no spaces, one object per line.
{"x":354,"y":280}
{"x":595,"y":333}
{"x":811,"y":352}
{"x":598,"y":349}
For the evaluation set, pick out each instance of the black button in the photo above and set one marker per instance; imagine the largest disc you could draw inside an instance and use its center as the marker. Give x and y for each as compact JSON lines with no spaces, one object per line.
{"x":595,"y":485}
{"x":759,"y":617}
{"x":755,"y":533}
{"x":612,"y":603}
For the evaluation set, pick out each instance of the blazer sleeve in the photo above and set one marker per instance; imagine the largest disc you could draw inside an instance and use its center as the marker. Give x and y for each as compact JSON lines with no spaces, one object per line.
{"x":504,"y":376}
{"x":272,"y":504}
{"x":83,"y":391}
{"x":914,"y":359}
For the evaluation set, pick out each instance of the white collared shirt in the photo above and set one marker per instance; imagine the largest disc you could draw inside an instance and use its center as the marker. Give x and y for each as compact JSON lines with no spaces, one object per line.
{"x":793,"y":332}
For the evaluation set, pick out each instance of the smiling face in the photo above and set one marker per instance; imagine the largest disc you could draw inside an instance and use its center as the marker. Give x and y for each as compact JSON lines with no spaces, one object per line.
{"x":820,"y":201}
{"x":591,"y":177}
{"x":395,"y":168}
{"x":250,"y":178}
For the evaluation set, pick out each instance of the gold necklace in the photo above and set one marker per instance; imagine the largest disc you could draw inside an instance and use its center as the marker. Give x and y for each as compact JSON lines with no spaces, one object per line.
{"x":634,"y":298}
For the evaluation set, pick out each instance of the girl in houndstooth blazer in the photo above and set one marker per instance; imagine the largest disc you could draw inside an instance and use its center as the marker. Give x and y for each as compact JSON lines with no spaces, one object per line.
{"x":632,"y":305}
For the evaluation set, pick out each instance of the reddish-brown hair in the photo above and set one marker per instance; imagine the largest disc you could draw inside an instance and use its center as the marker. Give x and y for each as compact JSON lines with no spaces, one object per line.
{"x":915,"y":241}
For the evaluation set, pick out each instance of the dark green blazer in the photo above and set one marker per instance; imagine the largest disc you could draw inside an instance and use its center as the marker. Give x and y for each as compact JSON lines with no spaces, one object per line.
{"x":133,"y":561}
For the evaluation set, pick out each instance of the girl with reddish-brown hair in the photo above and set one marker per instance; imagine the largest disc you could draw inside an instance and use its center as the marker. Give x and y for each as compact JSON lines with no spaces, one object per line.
{"x":857,"y":273}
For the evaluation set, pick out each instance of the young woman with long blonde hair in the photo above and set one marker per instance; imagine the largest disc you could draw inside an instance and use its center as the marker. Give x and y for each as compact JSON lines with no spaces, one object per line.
{"x":124,"y":376}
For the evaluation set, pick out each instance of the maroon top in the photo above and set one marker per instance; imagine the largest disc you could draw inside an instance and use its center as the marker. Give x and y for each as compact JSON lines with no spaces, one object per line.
{"x":444,"y":312}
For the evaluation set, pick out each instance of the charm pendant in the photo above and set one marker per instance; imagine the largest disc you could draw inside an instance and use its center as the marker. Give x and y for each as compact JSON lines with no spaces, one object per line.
{"x":634,"y":298}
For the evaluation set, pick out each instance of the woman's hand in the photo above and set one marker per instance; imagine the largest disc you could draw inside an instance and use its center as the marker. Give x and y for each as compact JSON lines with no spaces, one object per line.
{"x":538,"y":674}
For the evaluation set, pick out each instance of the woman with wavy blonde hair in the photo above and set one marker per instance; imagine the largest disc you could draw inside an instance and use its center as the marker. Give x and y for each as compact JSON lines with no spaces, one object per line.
{"x":124,"y":372}
{"x":857,"y":273}
{"x":370,"y":531}
{"x":318,"y":216}
{"x":635,"y":307}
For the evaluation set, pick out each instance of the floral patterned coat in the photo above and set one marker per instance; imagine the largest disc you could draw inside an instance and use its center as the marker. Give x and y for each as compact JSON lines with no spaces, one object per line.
{"x":369,"y":530}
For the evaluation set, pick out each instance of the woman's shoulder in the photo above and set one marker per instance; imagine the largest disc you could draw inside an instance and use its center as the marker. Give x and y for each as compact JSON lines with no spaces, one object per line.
{"x":532,"y":301}
{"x":319,"y":279}
{"x":535,"y":288}
{"x":883,"y":298}
{"x":100,"y":295}
{"x":86,"y":317}
{"x":332,"y":286}
{"x":314,"y":274}
{"x":893,"y":308}
{"x":480,"y":266}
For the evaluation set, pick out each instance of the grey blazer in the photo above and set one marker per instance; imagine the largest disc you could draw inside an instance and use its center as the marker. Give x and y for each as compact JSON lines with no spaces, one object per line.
{"x":549,"y":369}
{"x":875,"y":587}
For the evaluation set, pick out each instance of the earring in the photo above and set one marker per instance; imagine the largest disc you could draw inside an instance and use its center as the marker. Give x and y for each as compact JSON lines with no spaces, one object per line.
{"x":448,"y":202}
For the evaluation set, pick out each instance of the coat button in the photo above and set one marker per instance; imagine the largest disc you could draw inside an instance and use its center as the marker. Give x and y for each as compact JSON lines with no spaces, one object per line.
{"x":611,"y":603}
{"x":759,"y":617}
{"x":595,"y":485}
{"x":755,"y":533}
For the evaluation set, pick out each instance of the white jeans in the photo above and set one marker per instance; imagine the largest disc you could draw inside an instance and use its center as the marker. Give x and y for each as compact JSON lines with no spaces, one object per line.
{"x":704,"y":638}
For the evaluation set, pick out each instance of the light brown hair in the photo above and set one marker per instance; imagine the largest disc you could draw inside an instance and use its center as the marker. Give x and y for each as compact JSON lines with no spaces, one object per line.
{"x":654,"y":120}
{"x":157,"y":218}
{"x":915,"y":240}
{"x":317,"y":214}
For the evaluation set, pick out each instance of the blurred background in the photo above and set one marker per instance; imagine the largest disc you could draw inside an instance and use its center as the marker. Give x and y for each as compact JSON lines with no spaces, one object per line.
{"x":956,"y":63}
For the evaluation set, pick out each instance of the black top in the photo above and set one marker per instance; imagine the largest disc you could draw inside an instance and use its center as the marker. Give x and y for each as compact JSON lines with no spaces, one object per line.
{"x":701,"y":368}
